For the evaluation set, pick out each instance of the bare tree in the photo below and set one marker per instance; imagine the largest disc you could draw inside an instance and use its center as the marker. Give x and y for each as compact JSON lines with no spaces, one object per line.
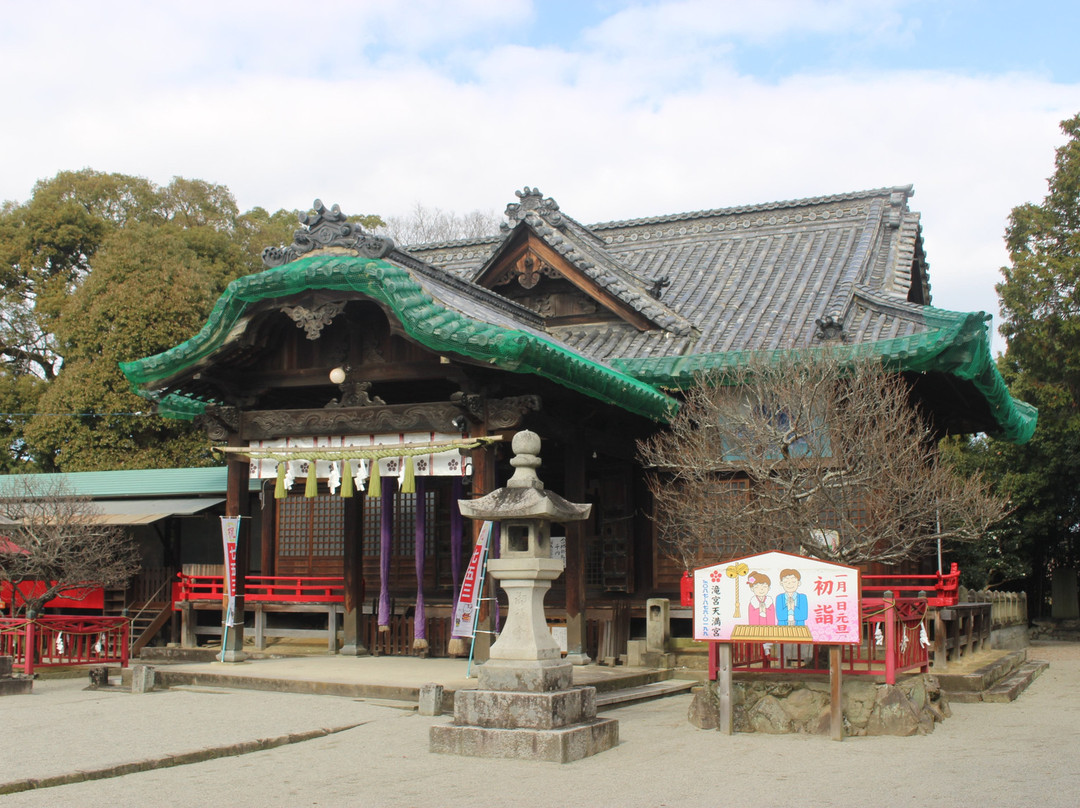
{"x":425,"y":225}
{"x":58,"y":538}
{"x":804,"y":453}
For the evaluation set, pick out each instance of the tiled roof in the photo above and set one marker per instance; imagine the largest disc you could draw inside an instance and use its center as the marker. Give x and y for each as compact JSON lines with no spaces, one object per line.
{"x":715,"y":284}
{"x":745,"y":278}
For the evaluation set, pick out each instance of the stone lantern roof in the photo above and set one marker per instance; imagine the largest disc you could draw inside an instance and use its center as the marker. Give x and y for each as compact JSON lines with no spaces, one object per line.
{"x":524,"y":496}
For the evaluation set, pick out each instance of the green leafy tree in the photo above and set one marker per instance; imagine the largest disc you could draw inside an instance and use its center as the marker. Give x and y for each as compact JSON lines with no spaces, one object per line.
{"x":101,"y":268}
{"x":1040,"y":304}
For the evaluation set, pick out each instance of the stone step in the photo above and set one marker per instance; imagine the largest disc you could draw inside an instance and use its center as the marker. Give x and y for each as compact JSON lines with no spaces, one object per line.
{"x":632,"y":695}
{"x":1010,"y":688}
{"x":980,"y":678}
{"x":1005,"y":689}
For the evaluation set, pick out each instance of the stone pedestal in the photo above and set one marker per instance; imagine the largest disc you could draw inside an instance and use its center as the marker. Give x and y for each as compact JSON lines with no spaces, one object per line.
{"x":526,"y":705}
{"x":558,"y":726}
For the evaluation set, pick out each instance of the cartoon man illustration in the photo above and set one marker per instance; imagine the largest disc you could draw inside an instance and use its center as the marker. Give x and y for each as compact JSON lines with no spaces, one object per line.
{"x":792,"y":607}
{"x":761,"y":611}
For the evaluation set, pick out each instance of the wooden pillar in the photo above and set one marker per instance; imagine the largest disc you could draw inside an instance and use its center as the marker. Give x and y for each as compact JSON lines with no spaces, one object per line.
{"x":237,"y":503}
{"x":576,"y":652}
{"x":483,"y":482}
{"x":353,"y":573}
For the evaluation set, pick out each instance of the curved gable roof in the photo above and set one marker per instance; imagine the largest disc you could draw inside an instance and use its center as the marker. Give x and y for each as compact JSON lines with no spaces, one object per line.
{"x":431,"y":322}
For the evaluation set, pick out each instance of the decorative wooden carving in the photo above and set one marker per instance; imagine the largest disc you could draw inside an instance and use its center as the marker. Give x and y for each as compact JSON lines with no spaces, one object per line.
{"x":219,"y":422}
{"x":313,"y":320}
{"x":266,"y":424}
{"x":355,"y":394}
{"x":502,"y":413}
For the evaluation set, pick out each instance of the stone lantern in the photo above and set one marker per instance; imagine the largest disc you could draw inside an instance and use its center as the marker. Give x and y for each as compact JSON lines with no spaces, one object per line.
{"x":525,"y":705}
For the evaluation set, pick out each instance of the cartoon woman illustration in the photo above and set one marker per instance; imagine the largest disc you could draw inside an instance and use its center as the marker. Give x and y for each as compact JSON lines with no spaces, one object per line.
{"x":761,"y":611}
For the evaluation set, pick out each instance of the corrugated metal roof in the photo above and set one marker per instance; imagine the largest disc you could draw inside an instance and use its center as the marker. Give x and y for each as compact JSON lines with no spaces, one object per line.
{"x":148,"y":511}
{"x":134,"y":482}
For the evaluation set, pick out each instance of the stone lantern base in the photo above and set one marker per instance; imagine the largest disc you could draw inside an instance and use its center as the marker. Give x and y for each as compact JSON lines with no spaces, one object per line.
{"x":558,"y":726}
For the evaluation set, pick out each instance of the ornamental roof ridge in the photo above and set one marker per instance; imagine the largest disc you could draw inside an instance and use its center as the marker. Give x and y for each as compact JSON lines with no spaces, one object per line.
{"x":887,"y":191}
{"x":461,"y":242}
{"x":327,"y":228}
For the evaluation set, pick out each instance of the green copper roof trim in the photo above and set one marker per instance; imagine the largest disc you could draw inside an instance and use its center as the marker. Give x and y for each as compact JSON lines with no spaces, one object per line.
{"x":429,"y":323}
{"x":957,"y":344}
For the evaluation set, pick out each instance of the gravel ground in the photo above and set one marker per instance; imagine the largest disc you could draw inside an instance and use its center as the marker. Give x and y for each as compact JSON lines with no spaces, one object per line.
{"x":1018,"y":754}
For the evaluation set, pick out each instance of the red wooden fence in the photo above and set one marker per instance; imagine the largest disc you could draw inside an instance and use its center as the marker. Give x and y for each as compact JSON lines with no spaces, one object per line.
{"x":264,"y":588}
{"x":892,"y":643}
{"x":53,"y":640}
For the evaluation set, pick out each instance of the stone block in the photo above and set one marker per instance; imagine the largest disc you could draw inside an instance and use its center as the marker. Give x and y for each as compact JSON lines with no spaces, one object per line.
{"x":525,"y":675}
{"x":506,"y":710}
{"x":142,"y":678}
{"x":16,"y":687}
{"x":657,"y":624}
{"x":6,"y":666}
{"x":99,"y":676}
{"x":635,"y":651}
{"x":431,"y":697}
{"x":562,"y":745}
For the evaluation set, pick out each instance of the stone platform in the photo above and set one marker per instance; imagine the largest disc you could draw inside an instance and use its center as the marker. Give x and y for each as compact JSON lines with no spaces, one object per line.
{"x":779,"y":704}
{"x":558,"y":726}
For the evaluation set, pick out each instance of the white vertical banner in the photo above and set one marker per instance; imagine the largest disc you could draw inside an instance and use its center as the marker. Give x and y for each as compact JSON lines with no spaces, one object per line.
{"x":230,"y":528}
{"x":469,"y":599}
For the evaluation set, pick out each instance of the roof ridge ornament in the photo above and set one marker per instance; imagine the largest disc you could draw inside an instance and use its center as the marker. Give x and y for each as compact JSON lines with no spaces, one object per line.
{"x":327,"y":228}
{"x":830,"y":328}
{"x":533,"y":202}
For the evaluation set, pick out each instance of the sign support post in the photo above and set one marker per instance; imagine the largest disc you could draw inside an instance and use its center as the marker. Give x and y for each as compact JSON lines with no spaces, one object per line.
{"x":724,"y":688}
{"x":836,"y":694}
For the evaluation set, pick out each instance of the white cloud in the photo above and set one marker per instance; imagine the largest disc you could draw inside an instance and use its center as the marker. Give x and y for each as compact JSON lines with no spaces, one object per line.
{"x":378,"y":105}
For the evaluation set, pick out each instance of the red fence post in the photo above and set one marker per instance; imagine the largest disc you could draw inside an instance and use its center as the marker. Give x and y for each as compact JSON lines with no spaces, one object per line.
{"x":890,"y":638}
{"x":29,"y":646}
{"x":125,"y":633}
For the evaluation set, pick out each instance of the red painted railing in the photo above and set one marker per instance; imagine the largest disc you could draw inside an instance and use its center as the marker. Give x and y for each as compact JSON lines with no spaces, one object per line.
{"x":264,"y":588}
{"x":942,"y":589}
{"x":54,"y":640}
{"x":892,"y":643}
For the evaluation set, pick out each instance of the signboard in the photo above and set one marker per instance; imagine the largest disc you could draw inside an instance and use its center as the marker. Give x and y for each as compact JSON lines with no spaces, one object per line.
{"x":230,"y":527}
{"x":469,"y":599}
{"x":777,"y":597}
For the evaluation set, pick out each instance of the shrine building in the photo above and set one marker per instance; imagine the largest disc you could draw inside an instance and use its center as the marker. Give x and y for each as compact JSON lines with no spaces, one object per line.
{"x":363,"y":387}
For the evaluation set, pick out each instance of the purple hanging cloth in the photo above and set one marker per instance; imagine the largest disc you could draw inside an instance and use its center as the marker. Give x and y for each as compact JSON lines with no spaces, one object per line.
{"x":386,"y":535}
{"x":420,"y":642}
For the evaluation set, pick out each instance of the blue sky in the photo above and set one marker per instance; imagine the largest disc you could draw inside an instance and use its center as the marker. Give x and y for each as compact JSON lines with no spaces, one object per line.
{"x":615,"y":109}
